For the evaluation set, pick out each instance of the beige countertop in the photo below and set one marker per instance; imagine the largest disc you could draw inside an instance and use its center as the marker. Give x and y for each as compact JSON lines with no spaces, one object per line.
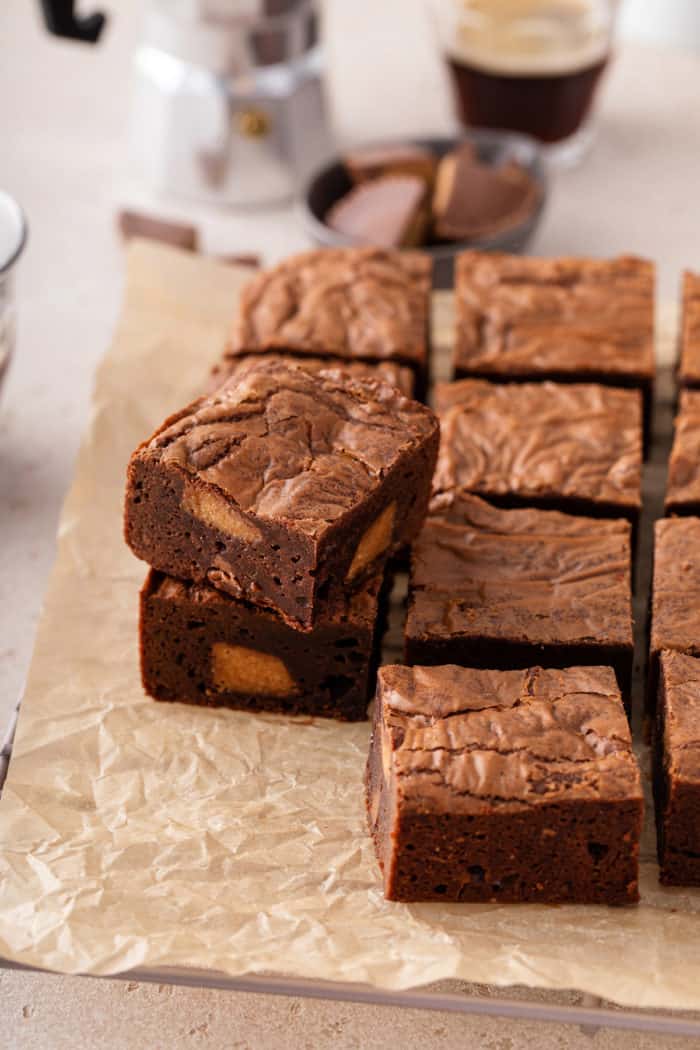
{"x":63,"y":114}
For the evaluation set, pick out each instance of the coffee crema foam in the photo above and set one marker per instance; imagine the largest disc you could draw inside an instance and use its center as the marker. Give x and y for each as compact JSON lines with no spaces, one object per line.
{"x":528,"y":37}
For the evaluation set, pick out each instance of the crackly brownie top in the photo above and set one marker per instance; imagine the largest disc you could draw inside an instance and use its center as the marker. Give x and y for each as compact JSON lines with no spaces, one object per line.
{"x":462,"y":740}
{"x":519,"y":315}
{"x":681,"y":684}
{"x":683,"y":484}
{"x":356,"y":609}
{"x":519,"y":575}
{"x":675,"y":622}
{"x":690,"y":329}
{"x":399,"y":376}
{"x":580,"y":441}
{"x":290,"y":446}
{"x":345,"y":302}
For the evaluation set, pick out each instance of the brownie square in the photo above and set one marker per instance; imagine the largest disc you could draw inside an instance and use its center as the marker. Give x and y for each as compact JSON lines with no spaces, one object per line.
{"x":356,"y":304}
{"x":282,"y":486}
{"x":689,"y":364}
{"x":399,"y":376}
{"x":675,"y":593}
{"x":683,"y":483}
{"x":567,"y":319}
{"x":508,"y":589}
{"x":503,"y":786}
{"x":677,"y":769}
{"x":202,"y":647}
{"x":571,"y":447}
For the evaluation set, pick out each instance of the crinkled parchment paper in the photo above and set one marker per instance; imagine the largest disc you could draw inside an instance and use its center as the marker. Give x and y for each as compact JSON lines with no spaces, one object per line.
{"x":142,"y":834}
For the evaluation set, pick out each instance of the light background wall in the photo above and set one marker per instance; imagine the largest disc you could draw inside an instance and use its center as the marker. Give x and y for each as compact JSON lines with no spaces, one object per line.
{"x":674,"y":22}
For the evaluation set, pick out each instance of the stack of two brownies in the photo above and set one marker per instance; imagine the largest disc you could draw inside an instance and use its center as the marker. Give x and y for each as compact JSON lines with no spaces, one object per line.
{"x":268,"y":509}
{"x":491,"y":778}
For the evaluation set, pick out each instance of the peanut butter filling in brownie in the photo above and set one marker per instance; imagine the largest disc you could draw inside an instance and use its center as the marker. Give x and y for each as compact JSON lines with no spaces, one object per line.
{"x":283,"y":486}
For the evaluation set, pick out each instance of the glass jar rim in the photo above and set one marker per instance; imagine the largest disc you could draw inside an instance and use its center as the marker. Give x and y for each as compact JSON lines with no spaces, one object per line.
{"x":13,"y":231}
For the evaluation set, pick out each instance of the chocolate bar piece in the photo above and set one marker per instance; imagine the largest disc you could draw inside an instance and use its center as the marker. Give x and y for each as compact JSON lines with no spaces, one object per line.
{"x":178,"y":234}
{"x":245,"y":259}
{"x":472,"y":200}
{"x":371,"y":162}
{"x":391,"y":212}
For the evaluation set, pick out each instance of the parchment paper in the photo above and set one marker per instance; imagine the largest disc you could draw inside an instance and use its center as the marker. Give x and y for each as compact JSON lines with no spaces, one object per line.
{"x":134,"y":833}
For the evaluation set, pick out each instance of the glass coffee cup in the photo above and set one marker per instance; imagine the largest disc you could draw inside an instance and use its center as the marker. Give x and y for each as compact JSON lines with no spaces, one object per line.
{"x":531,"y":66}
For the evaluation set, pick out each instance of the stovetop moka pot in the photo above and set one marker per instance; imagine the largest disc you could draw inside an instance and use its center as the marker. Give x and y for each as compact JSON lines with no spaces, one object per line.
{"x":228,"y":100}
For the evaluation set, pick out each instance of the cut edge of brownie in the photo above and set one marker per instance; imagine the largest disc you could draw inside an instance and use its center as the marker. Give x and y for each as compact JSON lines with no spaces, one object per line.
{"x":421,"y":376}
{"x":190,"y":634}
{"x":676,"y":802}
{"x":682,"y":509}
{"x":688,"y":368}
{"x":655,"y":644}
{"x":402,"y":377}
{"x":677,"y":500}
{"x":576,"y":506}
{"x":492,"y":653}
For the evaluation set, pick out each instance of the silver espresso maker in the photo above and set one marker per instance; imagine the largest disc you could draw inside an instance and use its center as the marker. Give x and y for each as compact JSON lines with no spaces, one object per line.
{"x":228,"y":96}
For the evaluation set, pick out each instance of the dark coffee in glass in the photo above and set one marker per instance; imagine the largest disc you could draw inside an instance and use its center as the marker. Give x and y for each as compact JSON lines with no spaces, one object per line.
{"x":527,"y":65}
